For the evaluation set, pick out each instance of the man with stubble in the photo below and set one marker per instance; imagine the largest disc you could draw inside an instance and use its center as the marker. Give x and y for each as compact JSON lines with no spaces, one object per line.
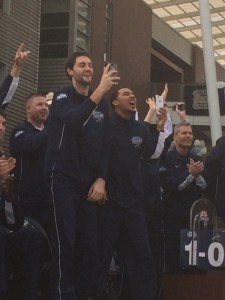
{"x":76,"y":171}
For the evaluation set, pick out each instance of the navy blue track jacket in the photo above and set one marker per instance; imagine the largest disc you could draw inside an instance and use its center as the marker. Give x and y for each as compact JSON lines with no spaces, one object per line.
{"x":130,"y":140}
{"x":78,"y":138}
{"x":215,"y":167}
{"x":178,"y":203}
{"x":28,"y":145}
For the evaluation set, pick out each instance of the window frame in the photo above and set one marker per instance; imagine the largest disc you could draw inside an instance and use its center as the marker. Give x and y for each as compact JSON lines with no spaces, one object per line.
{"x":5,"y":6}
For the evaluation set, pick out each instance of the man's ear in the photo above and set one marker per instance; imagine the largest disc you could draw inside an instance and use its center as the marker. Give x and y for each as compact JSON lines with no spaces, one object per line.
{"x":28,"y":108}
{"x":115,"y":102}
{"x":69,"y":71}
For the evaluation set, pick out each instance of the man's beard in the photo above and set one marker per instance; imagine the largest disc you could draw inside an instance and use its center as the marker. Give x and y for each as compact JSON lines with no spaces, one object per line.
{"x":83,"y":82}
{"x":185,"y":146}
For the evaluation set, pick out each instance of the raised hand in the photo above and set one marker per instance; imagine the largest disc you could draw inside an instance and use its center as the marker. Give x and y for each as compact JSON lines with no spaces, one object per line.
{"x":165,"y":92}
{"x":151,"y":110}
{"x":21,"y":55}
{"x":108,"y":79}
{"x":151,"y":103}
{"x":181,"y":113}
{"x":20,"y":60}
{"x":161,"y":118}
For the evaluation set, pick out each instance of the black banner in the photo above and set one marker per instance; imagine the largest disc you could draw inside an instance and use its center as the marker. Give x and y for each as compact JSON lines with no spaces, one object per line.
{"x":196,"y":100}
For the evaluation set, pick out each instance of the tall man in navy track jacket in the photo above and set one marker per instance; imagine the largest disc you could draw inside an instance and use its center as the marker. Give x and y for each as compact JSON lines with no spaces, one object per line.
{"x":122,"y":214}
{"x":28,"y":145}
{"x":183,"y":181}
{"x":76,"y":170}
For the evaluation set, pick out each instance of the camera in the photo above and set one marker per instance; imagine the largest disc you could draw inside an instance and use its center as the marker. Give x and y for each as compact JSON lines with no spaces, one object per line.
{"x":180,"y":107}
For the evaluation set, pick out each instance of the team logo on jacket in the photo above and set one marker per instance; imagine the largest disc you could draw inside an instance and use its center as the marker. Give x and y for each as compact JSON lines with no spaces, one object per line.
{"x":61,"y":96}
{"x":18,"y":133}
{"x":136,"y":141}
{"x":98,"y":116}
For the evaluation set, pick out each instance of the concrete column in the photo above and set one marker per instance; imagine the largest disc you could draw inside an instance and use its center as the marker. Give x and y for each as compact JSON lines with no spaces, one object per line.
{"x":210,"y":70}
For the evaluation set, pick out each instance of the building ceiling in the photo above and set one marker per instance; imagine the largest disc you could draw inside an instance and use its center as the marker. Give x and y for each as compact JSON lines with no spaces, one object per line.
{"x":184,"y":17}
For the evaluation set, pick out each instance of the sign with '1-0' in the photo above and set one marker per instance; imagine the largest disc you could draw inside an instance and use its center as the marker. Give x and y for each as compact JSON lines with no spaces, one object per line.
{"x":204,"y":249}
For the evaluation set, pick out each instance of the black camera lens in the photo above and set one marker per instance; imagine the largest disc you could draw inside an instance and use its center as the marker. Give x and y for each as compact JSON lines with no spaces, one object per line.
{"x":181,"y":106}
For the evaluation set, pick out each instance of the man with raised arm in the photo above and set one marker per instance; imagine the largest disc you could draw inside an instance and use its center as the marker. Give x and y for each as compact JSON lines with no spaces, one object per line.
{"x":11,"y":81}
{"x":75,"y":168}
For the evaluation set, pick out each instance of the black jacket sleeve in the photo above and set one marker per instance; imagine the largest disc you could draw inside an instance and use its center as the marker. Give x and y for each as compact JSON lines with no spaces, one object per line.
{"x":7,"y":90}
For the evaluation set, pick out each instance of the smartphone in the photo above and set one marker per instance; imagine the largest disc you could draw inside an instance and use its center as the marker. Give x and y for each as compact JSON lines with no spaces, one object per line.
{"x":113,"y":67}
{"x":159,"y":103}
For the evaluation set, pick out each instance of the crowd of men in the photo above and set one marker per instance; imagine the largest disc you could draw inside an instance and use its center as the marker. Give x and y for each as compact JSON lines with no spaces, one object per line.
{"x":83,"y":186}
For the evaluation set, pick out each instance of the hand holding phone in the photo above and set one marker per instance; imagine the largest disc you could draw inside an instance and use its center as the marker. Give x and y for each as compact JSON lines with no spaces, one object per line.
{"x":179,"y":106}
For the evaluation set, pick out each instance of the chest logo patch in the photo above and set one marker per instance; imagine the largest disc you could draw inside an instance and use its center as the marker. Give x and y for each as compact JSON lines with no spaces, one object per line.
{"x":98,"y":116}
{"x":18,"y":133}
{"x":61,"y":96}
{"x":136,"y":141}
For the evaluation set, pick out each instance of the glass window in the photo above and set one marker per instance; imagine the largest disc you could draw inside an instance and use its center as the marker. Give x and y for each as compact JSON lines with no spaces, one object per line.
{"x":55,"y":6}
{"x":87,"y":1}
{"x":5,"y":6}
{"x":53,"y":51}
{"x":109,"y":11}
{"x":84,"y":10}
{"x":82,"y":41}
{"x":108,"y":32}
{"x":54,"y":36}
{"x":83,"y":25}
{"x":55,"y":20}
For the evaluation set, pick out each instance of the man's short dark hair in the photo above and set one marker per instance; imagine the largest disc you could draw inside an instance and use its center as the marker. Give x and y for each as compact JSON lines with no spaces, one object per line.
{"x":71,"y":60}
{"x":182,"y":124}
{"x":2,"y":113}
{"x":34,"y":95}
